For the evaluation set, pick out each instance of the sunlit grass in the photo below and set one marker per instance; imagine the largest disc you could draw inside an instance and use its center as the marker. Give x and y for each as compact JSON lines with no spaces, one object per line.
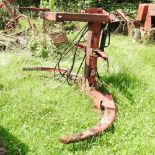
{"x":36,"y":111}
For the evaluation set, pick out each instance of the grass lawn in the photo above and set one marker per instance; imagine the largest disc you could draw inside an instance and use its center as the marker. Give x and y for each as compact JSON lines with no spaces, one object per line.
{"x":35,"y":111}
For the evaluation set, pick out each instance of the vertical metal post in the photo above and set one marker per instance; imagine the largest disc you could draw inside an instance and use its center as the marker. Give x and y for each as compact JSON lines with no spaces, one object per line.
{"x":94,"y":32}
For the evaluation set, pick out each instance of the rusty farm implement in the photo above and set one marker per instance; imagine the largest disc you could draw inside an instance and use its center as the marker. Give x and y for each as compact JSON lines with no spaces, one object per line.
{"x":143,"y":26}
{"x":12,"y":10}
{"x":97,"y":22}
{"x":146,"y":21}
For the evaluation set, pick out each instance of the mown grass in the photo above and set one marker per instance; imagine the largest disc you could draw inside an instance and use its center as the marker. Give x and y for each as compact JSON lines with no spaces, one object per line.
{"x":35,"y":111}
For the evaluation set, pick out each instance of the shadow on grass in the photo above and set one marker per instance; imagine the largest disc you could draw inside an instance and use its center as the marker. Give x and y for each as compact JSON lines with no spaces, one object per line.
{"x":12,"y":144}
{"x":126,"y":83}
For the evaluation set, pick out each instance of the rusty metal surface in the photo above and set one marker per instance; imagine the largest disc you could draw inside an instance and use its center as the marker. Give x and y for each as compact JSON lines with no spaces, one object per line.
{"x":1,"y":5}
{"x":123,"y":15}
{"x":94,"y":32}
{"x":52,"y":69}
{"x":78,"y":45}
{"x":60,"y":17}
{"x":150,"y":18}
{"x":95,"y":18}
{"x":146,"y":16}
{"x":101,"y":54}
{"x":95,"y":11}
{"x":59,"y":37}
{"x":142,"y":12}
{"x":108,"y":116}
{"x":48,"y":69}
{"x":152,"y":9}
{"x":92,"y":53}
{"x":119,"y":16}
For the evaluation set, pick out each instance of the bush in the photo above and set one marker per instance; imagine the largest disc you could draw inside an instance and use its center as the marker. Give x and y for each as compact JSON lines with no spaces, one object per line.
{"x":28,"y":3}
{"x":41,"y":48}
{"x":50,"y":4}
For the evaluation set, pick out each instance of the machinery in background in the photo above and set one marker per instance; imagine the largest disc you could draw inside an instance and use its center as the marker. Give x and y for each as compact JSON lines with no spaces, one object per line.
{"x":9,"y":4}
{"x":12,"y":12}
{"x":144,"y":24}
{"x":146,"y":21}
{"x":146,"y":16}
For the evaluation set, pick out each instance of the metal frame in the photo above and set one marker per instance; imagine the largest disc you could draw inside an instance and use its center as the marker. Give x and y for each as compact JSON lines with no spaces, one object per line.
{"x":60,"y":17}
{"x":144,"y":16}
{"x":95,"y":18}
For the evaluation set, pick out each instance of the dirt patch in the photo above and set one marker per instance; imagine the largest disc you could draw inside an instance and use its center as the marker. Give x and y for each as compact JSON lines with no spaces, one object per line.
{"x":9,"y":42}
{"x":2,"y":149}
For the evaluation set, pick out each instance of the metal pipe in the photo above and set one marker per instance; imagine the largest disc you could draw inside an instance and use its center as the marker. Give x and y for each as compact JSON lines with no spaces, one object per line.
{"x":107,"y":119}
{"x":53,"y":69}
{"x":102,"y":102}
{"x":48,"y":69}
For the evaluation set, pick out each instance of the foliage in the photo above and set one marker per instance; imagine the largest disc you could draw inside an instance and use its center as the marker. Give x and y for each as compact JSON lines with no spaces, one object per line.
{"x":74,"y":5}
{"x":28,"y":2}
{"x":41,"y":47}
{"x":50,"y":4}
{"x":109,"y":5}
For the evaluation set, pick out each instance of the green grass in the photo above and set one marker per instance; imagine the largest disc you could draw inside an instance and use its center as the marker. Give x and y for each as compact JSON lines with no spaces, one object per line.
{"x":35,"y":111}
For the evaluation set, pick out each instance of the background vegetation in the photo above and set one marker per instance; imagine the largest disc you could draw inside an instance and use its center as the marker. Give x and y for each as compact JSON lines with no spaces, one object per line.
{"x":74,"y":5}
{"x":35,"y":109}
